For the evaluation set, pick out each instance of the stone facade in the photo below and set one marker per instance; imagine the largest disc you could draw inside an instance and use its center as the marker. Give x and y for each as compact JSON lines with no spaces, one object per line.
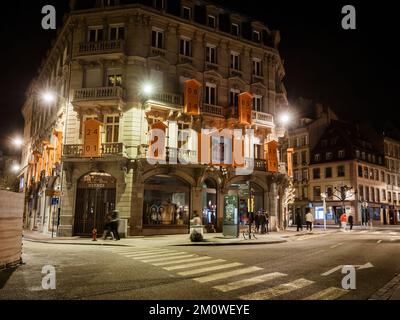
{"x":100,"y":62}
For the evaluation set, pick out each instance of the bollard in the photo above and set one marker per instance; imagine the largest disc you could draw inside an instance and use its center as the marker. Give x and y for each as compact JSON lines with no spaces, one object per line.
{"x":94,"y":234}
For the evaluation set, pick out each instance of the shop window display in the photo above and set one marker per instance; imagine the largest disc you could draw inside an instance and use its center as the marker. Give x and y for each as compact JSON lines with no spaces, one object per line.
{"x":166,"y":202}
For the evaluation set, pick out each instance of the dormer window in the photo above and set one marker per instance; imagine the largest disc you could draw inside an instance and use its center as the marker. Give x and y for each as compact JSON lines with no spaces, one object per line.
{"x":186,"y":13}
{"x":158,"y":4}
{"x":235,"y":30}
{"x":256,"y":36}
{"x":211,"y":22}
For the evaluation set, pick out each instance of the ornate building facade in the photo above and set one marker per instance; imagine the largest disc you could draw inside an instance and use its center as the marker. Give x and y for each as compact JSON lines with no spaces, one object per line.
{"x":123,"y":69}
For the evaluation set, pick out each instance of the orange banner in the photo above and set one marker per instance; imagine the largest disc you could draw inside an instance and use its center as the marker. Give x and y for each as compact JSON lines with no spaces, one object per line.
{"x":272,"y":162}
{"x":58,"y":151}
{"x":157,"y":143}
{"x":91,"y":148}
{"x":192,"y":97}
{"x":245,"y":108}
{"x":290,"y":161}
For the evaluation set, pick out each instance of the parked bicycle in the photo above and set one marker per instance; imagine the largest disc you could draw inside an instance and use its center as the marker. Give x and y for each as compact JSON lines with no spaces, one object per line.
{"x":249,"y":233}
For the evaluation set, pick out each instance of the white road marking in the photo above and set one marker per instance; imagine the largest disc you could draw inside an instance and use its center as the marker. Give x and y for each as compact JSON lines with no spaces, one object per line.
{"x":337,"y":245}
{"x":158,"y":256}
{"x":278,"y":290}
{"x":193,"y":265}
{"x":249,"y":282}
{"x":171,"y":258}
{"x":394,"y":233}
{"x":142,"y":251}
{"x":361,"y":232}
{"x":328,"y":294}
{"x":147,"y":254}
{"x":332,"y":271}
{"x":379,"y":241}
{"x":229,"y":274}
{"x":377,"y":232}
{"x":209,"y":269}
{"x":160,"y":264}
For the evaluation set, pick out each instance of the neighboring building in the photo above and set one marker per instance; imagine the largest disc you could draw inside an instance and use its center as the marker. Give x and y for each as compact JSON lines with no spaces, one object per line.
{"x":104,"y":56}
{"x":302,"y":136}
{"x":346,"y":157}
{"x":392,"y":161}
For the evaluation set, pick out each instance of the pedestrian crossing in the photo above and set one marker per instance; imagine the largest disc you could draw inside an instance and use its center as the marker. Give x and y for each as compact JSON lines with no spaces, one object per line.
{"x":228,"y":277}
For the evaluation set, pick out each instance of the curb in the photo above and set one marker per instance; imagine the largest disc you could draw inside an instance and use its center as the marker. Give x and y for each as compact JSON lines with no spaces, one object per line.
{"x":78,"y":243}
{"x":170,"y":245}
{"x":205,"y":244}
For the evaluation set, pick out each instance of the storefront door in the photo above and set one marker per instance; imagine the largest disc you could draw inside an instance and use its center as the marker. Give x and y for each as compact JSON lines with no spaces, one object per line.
{"x":209,"y":198}
{"x":95,"y":197}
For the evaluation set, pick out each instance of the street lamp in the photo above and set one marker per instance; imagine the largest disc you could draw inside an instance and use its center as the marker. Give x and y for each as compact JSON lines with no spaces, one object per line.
{"x":15,"y":168}
{"x":285,"y":118}
{"x":48,"y":97}
{"x":148,"y":89}
{"x":324,"y":196}
{"x":17,"y":142}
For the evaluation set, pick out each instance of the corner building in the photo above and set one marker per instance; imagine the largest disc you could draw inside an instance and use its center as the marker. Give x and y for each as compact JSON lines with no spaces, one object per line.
{"x":129,"y":68}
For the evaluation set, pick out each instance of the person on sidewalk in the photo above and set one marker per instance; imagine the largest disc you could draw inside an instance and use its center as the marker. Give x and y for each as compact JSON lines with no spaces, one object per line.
{"x":267,"y":222}
{"x":299,"y":221}
{"x":108,"y":230}
{"x":351,"y":222}
{"x":115,"y":224}
{"x":257,"y":221}
{"x":262,"y":223}
{"x":343,"y":220}
{"x":309,"y":220}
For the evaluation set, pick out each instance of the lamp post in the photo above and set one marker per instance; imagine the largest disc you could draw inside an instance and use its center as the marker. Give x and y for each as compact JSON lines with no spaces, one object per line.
{"x":324,"y":196}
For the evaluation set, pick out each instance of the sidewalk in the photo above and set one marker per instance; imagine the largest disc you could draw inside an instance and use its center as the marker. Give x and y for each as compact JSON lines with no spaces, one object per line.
{"x":210,"y":239}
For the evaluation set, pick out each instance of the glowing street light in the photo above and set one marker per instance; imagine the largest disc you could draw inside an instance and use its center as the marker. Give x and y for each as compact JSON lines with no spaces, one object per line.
{"x":285,"y":118}
{"x":17,"y":142}
{"x":148,"y":89}
{"x":48,"y":97}
{"x":15,"y":168}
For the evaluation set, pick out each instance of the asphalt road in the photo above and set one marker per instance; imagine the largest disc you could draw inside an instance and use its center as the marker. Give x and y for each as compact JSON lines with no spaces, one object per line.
{"x":302,"y":268}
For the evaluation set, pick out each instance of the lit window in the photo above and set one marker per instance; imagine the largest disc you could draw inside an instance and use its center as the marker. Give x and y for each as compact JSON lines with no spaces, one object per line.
{"x":112,"y":129}
{"x":115,"y":80}
{"x":341,"y":154}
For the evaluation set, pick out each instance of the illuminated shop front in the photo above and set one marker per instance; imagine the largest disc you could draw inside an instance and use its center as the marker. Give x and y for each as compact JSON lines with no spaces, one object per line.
{"x":209,"y":205}
{"x":166,"y":203}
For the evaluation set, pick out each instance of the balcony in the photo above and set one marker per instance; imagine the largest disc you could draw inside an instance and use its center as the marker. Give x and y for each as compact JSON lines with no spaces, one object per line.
{"x":172,"y":155}
{"x":211,"y":110}
{"x":87,"y":99}
{"x":107,"y":150}
{"x":263,"y":119}
{"x":112,"y":47}
{"x":185,"y":59}
{"x":164,"y":102}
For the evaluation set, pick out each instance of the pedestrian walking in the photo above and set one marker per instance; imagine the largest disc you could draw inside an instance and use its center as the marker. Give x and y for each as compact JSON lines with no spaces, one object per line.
{"x":115,"y":224}
{"x":309,"y":220}
{"x":108,"y":229}
{"x":257,"y":221}
{"x":262,"y":223}
{"x":351,"y":222}
{"x":267,"y":222}
{"x":299,"y":221}
{"x":343,"y":220}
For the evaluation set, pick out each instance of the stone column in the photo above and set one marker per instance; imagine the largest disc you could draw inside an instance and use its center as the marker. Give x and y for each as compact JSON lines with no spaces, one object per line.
{"x":136,"y":224}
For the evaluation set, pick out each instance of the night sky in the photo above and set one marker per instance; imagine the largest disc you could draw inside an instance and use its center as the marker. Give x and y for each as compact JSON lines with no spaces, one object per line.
{"x":354,"y":72}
